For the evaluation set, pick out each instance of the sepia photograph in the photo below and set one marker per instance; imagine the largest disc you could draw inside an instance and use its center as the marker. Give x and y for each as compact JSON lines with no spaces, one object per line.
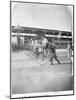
{"x":41,"y":49}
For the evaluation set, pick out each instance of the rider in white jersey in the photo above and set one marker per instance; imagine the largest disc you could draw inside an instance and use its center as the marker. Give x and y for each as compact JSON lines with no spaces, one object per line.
{"x":44,"y":42}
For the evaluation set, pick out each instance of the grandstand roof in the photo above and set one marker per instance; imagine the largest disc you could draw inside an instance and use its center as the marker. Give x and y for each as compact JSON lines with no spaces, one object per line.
{"x":38,"y":30}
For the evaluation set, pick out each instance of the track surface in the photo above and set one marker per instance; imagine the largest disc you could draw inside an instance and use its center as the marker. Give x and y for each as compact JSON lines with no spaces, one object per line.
{"x":30,"y":75}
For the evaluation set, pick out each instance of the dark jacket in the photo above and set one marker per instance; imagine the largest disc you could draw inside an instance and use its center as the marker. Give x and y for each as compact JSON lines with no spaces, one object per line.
{"x":52,"y":48}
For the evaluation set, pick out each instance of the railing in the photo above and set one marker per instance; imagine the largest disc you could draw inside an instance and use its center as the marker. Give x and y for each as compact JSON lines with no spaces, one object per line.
{"x":46,"y":35}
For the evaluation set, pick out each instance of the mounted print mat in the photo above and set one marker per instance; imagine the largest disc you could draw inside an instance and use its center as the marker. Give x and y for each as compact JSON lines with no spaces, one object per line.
{"x":41,"y":49}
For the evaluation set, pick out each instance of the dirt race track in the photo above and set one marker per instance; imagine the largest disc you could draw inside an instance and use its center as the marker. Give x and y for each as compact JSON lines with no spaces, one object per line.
{"x":30,"y":75}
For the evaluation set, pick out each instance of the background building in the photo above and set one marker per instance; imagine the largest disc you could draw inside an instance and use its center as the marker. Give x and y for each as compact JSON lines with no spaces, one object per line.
{"x":22,"y":35}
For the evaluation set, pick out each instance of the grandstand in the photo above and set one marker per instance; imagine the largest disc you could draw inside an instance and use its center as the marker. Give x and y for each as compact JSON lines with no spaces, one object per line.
{"x":60,"y":38}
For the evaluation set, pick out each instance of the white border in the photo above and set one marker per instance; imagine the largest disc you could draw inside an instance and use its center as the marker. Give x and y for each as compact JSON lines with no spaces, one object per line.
{"x":43,"y":94}
{"x":5,"y":44}
{"x":56,"y":93}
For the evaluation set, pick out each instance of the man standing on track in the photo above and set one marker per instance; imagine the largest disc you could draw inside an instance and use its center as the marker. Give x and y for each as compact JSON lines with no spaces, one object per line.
{"x":69,"y":48}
